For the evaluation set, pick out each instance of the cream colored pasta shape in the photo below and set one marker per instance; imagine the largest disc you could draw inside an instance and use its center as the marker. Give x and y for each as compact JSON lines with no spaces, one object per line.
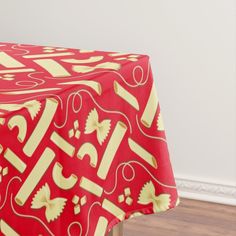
{"x":113,"y":209}
{"x":150,"y":108}
{"x":19,"y":122}
{"x":88,"y":149}
{"x":60,"y":180}
{"x":9,"y":62}
{"x":6,"y":229}
{"x":143,"y":153}
{"x":83,"y":61}
{"x":15,"y":161}
{"x":105,"y":65}
{"x":111,"y":149}
{"x":29,"y":91}
{"x":127,"y":96}
{"x":96,"y":86}
{"x":49,"y":55}
{"x":42,"y":127}
{"x":91,"y":186}
{"x":16,"y":71}
{"x":101,"y":226}
{"x":62,"y":144}
{"x":35,"y":176}
{"x":53,"y":67}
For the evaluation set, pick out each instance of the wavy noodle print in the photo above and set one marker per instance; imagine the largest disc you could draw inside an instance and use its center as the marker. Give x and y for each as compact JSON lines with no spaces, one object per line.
{"x":20,"y":49}
{"x":13,"y":178}
{"x":129,"y":164}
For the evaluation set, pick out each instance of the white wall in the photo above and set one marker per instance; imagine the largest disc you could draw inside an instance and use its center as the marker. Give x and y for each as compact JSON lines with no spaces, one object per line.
{"x":193,"y":55}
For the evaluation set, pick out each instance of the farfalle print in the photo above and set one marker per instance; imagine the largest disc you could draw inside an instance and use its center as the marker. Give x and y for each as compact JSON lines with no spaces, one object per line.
{"x":32,"y":106}
{"x":147,"y":195}
{"x":93,"y":124}
{"x":54,"y":207}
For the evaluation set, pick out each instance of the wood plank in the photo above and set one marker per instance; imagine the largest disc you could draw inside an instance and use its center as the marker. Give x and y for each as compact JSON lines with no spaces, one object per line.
{"x":191,"y":217}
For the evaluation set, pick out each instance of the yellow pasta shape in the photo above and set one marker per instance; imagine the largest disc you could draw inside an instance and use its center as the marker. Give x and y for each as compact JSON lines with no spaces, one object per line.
{"x":96,"y":86}
{"x":42,"y":127}
{"x":6,"y":229}
{"x":29,"y":91}
{"x":35,"y":176}
{"x":15,"y":161}
{"x":91,"y":186}
{"x":105,"y":65}
{"x":61,"y":181}
{"x":13,"y":71}
{"x":60,"y":54}
{"x":127,"y":96}
{"x":63,"y":144}
{"x":2,"y":120}
{"x":160,"y":123}
{"x":83,"y":61}
{"x":54,"y":207}
{"x":150,"y":108}
{"x":113,"y":209}
{"x":102,"y":128}
{"x":9,"y":62}
{"x":101,"y":226}
{"x":111,"y":149}
{"x":32,"y":106}
{"x":143,"y":153}
{"x":88,"y":149}
{"x":53,"y":67}
{"x":19,"y":122}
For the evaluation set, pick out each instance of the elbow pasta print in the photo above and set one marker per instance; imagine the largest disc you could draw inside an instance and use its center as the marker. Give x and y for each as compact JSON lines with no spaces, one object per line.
{"x":82,"y":141}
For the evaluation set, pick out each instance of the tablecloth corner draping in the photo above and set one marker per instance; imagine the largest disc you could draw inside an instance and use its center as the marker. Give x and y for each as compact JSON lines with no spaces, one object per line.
{"x":82,"y":141}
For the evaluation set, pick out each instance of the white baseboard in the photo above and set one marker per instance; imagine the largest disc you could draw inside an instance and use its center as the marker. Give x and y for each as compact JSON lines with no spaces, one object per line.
{"x":205,"y":191}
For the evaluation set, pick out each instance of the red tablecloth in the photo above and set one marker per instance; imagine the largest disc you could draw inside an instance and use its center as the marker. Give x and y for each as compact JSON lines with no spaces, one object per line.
{"x":82,"y":141}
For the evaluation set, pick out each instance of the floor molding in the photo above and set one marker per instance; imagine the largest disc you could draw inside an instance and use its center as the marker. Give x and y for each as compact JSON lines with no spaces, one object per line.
{"x":205,"y":191}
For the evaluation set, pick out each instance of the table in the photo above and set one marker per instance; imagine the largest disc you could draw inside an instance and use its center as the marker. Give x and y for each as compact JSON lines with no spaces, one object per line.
{"x":82,"y":141}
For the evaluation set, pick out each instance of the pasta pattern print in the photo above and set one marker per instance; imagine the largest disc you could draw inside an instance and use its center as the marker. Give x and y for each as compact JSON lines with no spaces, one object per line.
{"x":82,"y":141}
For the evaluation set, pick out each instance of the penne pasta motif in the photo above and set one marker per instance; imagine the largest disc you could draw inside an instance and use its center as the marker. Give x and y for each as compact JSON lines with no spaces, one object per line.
{"x":143,"y":153}
{"x":15,"y":161}
{"x":105,"y":65}
{"x":111,"y":149}
{"x":42,"y":127}
{"x":6,"y":229}
{"x":62,"y":144}
{"x":150,"y":108}
{"x":53,"y":67}
{"x":34,"y":177}
{"x":127,"y":96}
{"x":9,"y":62}
{"x":96,"y":86}
{"x":101,"y":226}
{"x":91,"y":186}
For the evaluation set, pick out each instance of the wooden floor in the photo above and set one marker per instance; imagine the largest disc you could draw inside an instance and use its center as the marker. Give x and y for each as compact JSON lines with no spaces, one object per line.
{"x":190,"y":218}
